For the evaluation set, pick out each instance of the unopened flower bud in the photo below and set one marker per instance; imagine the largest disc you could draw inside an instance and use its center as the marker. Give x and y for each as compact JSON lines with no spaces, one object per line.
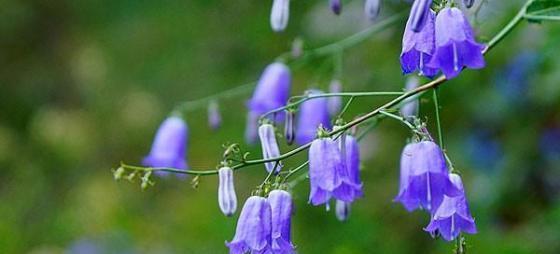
{"x":226,"y":191}
{"x":214,"y":117}
{"x":371,"y":9}
{"x":279,"y":15}
{"x":269,"y":147}
{"x":468,"y":3}
{"x":336,"y":6}
{"x":118,"y":174}
{"x":289,"y":128}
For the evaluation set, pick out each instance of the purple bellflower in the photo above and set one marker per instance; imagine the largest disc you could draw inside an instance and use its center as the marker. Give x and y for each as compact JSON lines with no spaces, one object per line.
{"x":336,"y":6}
{"x":453,"y":216}
{"x":272,"y":91}
{"x":418,"y":47}
{"x":419,"y":15}
{"x":424,"y":177}
{"x":455,"y":45}
{"x":279,"y":15}
{"x":227,"y":200}
{"x":282,"y":208}
{"x":254,"y":227}
{"x":328,"y":175}
{"x":168,"y":149}
{"x":352,"y":154}
{"x":269,"y":147}
{"x":313,"y":113}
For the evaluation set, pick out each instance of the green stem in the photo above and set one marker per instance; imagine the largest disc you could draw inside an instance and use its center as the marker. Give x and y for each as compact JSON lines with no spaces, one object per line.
{"x":400,"y":119}
{"x":438,"y":119}
{"x":346,"y":106}
{"x":304,"y":98}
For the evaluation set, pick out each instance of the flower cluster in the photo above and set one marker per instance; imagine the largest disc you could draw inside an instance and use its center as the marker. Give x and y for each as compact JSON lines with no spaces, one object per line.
{"x":426,"y":183}
{"x":264,"y":225}
{"x":444,"y":43}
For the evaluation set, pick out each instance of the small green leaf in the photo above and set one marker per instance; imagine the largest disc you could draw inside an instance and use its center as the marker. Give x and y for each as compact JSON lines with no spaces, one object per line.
{"x":543,"y":10}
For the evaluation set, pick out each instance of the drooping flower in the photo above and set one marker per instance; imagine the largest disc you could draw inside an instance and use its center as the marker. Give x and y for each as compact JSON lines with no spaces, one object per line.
{"x":272,"y":91}
{"x":424,"y":177}
{"x":227,"y":200}
{"x":418,"y":48}
{"x":455,"y":45}
{"x":371,"y":9}
{"x":334,"y":102}
{"x":419,"y":15}
{"x":352,"y":154}
{"x":269,"y":147}
{"x":336,"y":6}
{"x":453,"y":216}
{"x":409,"y":108}
{"x":169,"y":147}
{"x":254,"y":227}
{"x":282,"y":207}
{"x":328,"y":175}
{"x":279,"y":15}
{"x":342,"y":210}
{"x":214,"y":117}
{"x":313,"y":113}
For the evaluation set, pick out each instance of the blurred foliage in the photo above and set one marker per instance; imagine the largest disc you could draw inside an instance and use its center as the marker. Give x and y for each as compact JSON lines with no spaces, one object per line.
{"x":85,"y":84}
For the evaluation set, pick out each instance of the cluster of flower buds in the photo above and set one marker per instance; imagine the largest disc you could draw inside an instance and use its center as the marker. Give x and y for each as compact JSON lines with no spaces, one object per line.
{"x":444,"y":43}
{"x":264,"y":225}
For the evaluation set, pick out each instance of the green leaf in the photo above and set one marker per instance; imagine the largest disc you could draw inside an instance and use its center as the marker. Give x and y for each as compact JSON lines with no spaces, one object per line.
{"x":543,"y":10}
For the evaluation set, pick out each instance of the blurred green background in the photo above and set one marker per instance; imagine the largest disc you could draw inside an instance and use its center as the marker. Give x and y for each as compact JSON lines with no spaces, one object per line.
{"x":85,"y":83}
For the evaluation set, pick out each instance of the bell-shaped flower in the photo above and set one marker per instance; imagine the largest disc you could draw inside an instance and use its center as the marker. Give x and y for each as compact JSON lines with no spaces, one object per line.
{"x":336,"y":6}
{"x":169,"y":147}
{"x":352,"y":154}
{"x":409,"y":108}
{"x":312,"y":114}
{"x":279,"y":15}
{"x":272,"y":90}
{"x":371,"y":9}
{"x":328,"y":175}
{"x":418,"y":48}
{"x":282,"y":208}
{"x":254,"y":227}
{"x":453,"y":216}
{"x":342,"y":210}
{"x":227,"y":200}
{"x":419,"y":15}
{"x":455,"y":45}
{"x":424,"y":177}
{"x":269,"y":147}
